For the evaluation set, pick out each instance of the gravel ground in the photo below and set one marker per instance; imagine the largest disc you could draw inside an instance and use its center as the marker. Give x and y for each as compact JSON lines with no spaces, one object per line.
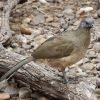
{"x":33,"y":22}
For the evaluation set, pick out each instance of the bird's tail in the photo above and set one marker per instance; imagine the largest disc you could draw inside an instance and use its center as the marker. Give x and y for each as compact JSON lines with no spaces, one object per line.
{"x":16,"y":67}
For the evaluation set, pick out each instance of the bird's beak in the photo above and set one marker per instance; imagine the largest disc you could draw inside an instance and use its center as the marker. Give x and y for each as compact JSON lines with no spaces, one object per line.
{"x":93,"y":28}
{"x":91,"y":25}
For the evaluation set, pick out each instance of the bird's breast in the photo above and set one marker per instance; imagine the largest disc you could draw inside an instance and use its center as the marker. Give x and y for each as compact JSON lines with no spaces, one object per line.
{"x":61,"y":63}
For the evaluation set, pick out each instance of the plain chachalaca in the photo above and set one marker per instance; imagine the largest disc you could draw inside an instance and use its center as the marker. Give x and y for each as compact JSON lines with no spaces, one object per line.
{"x":62,"y":50}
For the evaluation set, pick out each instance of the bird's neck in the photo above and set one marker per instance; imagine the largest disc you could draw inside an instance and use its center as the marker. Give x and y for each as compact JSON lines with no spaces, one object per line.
{"x":83,"y":32}
{"x":84,"y":36}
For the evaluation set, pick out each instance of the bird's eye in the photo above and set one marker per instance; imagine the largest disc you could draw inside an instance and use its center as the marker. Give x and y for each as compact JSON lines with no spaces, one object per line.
{"x":87,"y":23}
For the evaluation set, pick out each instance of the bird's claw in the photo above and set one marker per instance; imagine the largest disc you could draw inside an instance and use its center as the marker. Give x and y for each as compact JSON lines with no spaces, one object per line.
{"x":69,"y":77}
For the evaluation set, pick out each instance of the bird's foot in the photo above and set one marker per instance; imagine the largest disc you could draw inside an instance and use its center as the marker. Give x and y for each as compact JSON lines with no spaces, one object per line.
{"x":71,"y":76}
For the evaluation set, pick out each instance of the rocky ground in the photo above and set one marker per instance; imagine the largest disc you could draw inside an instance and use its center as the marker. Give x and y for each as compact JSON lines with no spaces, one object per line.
{"x":33,"y":22}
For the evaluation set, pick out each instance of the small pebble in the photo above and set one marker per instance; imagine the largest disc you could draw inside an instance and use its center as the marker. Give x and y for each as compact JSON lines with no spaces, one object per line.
{"x":24,"y":93}
{"x":4,"y":96}
{"x":87,"y":66}
{"x":27,"y":20}
{"x":49,"y":19}
{"x":91,"y":54}
{"x":42,"y":98}
{"x":97,"y":91}
{"x":95,"y":15}
{"x":12,"y":90}
{"x":43,"y":1}
{"x":26,"y":46}
{"x":97,"y":47}
{"x":21,"y":39}
{"x":86,"y":60}
{"x":38,"y":19}
{"x":25,"y":29}
{"x":98,"y":83}
{"x":84,"y":10}
{"x":78,"y":70}
{"x":68,"y":11}
{"x":98,"y":13}
{"x":14,"y":45}
{"x":98,"y":67}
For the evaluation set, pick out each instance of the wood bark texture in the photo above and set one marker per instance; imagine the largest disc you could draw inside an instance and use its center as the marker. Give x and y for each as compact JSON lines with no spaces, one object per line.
{"x":48,"y":80}
{"x":5,"y":10}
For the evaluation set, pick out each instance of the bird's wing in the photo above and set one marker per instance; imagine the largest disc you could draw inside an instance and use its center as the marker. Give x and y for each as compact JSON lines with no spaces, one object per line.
{"x":55,"y":47}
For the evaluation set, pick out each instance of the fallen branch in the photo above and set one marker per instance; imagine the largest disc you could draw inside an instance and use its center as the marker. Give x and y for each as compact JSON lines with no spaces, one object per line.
{"x":47,"y":80}
{"x":5,"y":32}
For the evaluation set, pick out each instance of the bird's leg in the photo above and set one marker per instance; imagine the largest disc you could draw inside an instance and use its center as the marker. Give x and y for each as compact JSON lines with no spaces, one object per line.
{"x":67,"y":75}
{"x":70,"y":74}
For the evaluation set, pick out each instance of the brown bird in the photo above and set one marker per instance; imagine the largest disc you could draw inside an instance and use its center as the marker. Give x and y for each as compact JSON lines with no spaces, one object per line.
{"x":62,"y":50}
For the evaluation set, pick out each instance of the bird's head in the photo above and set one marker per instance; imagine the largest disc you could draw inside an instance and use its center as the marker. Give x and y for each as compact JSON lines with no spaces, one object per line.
{"x":87,"y":22}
